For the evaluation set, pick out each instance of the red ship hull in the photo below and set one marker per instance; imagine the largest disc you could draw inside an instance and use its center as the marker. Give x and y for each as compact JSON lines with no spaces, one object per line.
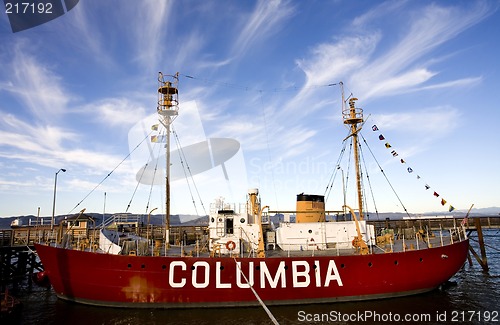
{"x":180,"y":282}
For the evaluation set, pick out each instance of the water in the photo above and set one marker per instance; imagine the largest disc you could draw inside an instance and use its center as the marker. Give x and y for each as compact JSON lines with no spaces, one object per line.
{"x":474,"y":299}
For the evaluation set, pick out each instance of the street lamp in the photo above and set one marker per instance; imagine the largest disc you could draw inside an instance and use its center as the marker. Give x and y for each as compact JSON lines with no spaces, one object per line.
{"x":54,"y":203}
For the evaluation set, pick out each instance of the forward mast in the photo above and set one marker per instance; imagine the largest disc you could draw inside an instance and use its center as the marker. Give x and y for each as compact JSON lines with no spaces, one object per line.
{"x":168,"y":110}
{"x":353,"y":117}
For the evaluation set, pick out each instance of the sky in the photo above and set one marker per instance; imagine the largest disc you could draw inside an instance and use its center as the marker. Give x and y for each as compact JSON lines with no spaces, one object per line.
{"x":80,"y":93}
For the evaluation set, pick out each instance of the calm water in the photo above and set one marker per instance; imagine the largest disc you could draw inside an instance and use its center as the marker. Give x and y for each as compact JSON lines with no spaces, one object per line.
{"x":475,"y":298}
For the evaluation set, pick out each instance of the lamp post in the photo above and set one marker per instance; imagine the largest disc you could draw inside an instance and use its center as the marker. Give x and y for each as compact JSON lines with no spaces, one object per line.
{"x":54,"y":203}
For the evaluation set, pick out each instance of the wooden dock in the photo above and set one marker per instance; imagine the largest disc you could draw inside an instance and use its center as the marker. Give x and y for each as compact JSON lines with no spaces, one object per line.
{"x":18,"y":263}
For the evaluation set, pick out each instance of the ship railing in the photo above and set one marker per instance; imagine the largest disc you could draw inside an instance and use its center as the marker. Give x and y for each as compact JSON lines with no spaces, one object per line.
{"x":122,"y":219}
{"x":220,"y":231}
{"x":221,"y":206}
{"x":418,"y":242}
{"x":313,"y":246}
{"x":107,"y":222}
{"x":265,"y":218}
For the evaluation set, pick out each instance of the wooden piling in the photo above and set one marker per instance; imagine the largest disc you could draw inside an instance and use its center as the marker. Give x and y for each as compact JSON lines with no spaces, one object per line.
{"x":17,"y":263}
{"x":483,"y":260}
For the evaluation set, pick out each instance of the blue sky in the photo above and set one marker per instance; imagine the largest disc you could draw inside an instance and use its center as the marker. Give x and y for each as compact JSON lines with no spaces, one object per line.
{"x":74,"y":91}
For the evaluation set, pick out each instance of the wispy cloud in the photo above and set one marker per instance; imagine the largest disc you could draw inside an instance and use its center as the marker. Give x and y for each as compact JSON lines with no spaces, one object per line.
{"x":188,"y":49}
{"x":149,"y":25}
{"x":398,"y":69}
{"x":86,"y":36}
{"x":427,"y":123}
{"x":329,"y":62}
{"x":264,"y":20}
{"x":35,"y":85}
{"x":47,"y":146}
{"x":380,"y":72}
{"x":122,"y":112}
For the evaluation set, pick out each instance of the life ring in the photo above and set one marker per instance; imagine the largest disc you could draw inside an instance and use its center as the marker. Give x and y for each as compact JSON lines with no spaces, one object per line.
{"x":230,"y":245}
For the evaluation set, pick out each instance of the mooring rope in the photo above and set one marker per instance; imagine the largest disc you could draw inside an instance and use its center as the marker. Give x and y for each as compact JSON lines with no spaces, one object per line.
{"x":273,"y":319}
{"x":489,"y":246}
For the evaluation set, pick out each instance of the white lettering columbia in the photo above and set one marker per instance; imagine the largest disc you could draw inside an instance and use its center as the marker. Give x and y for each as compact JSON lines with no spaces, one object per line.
{"x":301,"y":275}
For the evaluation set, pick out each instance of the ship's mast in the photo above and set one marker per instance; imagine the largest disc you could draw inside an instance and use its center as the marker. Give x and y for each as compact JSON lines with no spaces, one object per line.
{"x":168,"y":109}
{"x":354,"y":118}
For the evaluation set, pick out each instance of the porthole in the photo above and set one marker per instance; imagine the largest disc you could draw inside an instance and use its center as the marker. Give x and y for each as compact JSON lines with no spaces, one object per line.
{"x":164,"y":267}
{"x":342,"y":265}
{"x":220,"y":219}
{"x":396,"y":262}
{"x":129,"y":266}
{"x":212,"y":220}
{"x":192,"y":267}
{"x":222,"y":267}
{"x":421,"y":259}
{"x":286,"y":267}
{"x":257,"y":267}
{"x":143,"y":266}
{"x":370,"y":264}
{"x":310,"y":231}
{"x":242,"y":220}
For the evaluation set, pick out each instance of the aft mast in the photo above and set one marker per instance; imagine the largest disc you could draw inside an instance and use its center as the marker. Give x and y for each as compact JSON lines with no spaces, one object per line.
{"x":353,"y":117}
{"x":168,"y":109}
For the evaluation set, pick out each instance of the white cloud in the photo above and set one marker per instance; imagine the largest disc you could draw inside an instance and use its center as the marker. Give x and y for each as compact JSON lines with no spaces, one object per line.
{"x":392,"y":72}
{"x":377,"y":71}
{"x":149,"y":25}
{"x":36,"y":138}
{"x":35,"y":85}
{"x":428,"y":123}
{"x":121,"y":112}
{"x":85,"y":35}
{"x":330,"y":61}
{"x":264,"y":20}
{"x":46,"y":145}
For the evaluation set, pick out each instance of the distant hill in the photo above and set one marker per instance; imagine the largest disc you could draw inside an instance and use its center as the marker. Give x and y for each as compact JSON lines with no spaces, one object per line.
{"x":193,"y":220}
{"x":175,"y":220}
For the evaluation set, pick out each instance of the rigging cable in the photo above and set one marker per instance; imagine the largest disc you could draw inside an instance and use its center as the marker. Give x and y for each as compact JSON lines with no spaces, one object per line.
{"x":268,"y":148}
{"x":154,"y":177}
{"x":348,"y":171}
{"x":248,"y":88}
{"x":330,"y":183}
{"x":369,"y":184}
{"x":487,"y":245}
{"x":386,"y":178}
{"x":111,"y":172}
{"x":136,"y":187}
{"x":344,"y":184}
{"x":182,"y":158}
